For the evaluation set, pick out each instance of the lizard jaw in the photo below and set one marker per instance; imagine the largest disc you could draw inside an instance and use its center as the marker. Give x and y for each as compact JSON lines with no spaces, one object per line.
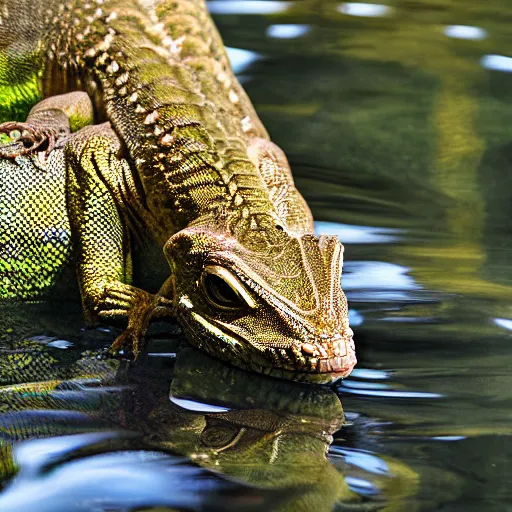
{"x":326,"y":367}
{"x":311,"y":377}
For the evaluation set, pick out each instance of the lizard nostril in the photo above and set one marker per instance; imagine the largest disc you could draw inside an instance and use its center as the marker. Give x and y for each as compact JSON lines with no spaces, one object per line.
{"x":308,"y":348}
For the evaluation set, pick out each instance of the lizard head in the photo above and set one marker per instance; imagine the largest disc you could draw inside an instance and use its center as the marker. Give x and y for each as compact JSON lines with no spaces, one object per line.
{"x":270,"y":303}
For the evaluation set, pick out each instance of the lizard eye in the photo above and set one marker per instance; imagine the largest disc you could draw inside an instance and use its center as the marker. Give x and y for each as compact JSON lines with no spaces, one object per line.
{"x":223,"y":290}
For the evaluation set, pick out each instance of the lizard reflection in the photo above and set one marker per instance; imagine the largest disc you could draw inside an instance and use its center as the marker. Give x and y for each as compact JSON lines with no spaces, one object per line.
{"x":269,"y":434}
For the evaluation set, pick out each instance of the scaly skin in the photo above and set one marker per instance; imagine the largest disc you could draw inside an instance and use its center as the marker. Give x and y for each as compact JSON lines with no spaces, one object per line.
{"x":35,"y":239}
{"x":249,"y":283}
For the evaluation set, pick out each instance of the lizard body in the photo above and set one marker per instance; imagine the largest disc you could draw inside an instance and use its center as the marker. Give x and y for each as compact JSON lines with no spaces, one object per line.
{"x":190,"y":164}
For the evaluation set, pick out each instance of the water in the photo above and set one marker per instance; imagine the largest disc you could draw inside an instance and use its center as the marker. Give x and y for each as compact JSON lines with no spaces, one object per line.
{"x":395,"y":118}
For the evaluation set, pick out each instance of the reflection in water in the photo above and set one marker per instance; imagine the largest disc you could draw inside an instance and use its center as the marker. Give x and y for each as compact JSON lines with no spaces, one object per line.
{"x":274,"y":434}
{"x":247,"y":7}
{"x":395,"y":117}
{"x":373,"y":389}
{"x":271,"y":436}
{"x":241,"y":59}
{"x":349,"y":234}
{"x":355,"y":319}
{"x":503,"y":322}
{"x":288,"y":31}
{"x":195,"y":406}
{"x":364,"y":9}
{"x":86,"y":472}
{"x":370,"y":374}
{"x":465,"y":32}
{"x":378,"y":276}
{"x":497,"y":63}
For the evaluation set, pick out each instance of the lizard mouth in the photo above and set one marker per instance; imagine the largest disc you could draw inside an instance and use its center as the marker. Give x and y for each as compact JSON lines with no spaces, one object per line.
{"x":318,"y":362}
{"x":323,"y":370}
{"x":325,"y":362}
{"x":342,"y":365}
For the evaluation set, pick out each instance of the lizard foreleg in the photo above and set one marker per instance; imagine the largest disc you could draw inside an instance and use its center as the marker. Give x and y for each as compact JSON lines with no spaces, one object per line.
{"x":96,"y":192}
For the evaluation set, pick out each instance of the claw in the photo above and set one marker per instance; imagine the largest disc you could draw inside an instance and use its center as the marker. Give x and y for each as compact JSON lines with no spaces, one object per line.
{"x":141,"y":308}
{"x":129,"y":338}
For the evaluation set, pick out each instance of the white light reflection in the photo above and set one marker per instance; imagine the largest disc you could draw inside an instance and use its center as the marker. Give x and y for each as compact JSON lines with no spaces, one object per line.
{"x":503,"y":322}
{"x":192,"y":405}
{"x":355,"y":318}
{"x":497,"y":63}
{"x":364,"y":9}
{"x":352,"y":234}
{"x":241,"y":59}
{"x":288,"y":31}
{"x":362,"y":459}
{"x":449,"y":438}
{"x":377,"y":275}
{"x":369,"y":374}
{"x":69,"y":476}
{"x":35,"y":453}
{"x":357,"y":384}
{"x":247,"y":7}
{"x":388,"y":393}
{"x":63,"y":344}
{"x":465,"y":32}
{"x":361,"y":486}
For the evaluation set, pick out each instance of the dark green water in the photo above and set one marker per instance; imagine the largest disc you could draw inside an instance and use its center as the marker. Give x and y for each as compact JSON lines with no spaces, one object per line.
{"x":396,"y":119}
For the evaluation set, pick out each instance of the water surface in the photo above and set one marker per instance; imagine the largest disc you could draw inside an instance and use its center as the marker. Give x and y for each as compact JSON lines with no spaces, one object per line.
{"x":396,"y":119}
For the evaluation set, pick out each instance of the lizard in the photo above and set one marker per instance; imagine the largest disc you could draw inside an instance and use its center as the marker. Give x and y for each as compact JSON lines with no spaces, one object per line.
{"x":195,"y":171}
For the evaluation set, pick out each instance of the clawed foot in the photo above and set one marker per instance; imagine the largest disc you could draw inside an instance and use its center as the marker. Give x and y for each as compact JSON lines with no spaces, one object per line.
{"x":26,"y":139}
{"x":140,"y":307}
{"x":134,"y":338}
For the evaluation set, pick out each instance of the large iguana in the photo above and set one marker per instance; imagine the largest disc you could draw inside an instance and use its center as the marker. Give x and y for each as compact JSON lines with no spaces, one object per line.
{"x":186,"y":162}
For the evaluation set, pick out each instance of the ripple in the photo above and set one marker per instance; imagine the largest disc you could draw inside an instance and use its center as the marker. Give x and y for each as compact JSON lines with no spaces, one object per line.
{"x":287,"y":31}
{"x":369,"y":374}
{"x":251,"y":7}
{"x":361,"y":486}
{"x":88,"y":472}
{"x":497,"y":63}
{"x":194,"y":405}
{"x":377,"y":275}
{"x":449,"y":438}
{"x":355,"y":318}
{"x":388,"y":393}
{"x":352,"y":234}
{"x":364,"y":9}
{"x":503,"y":322}
{"x":465,"y":32}
{"x":362,"y":459}
{"x":62,"y":344}
{"x":241,"y":59}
